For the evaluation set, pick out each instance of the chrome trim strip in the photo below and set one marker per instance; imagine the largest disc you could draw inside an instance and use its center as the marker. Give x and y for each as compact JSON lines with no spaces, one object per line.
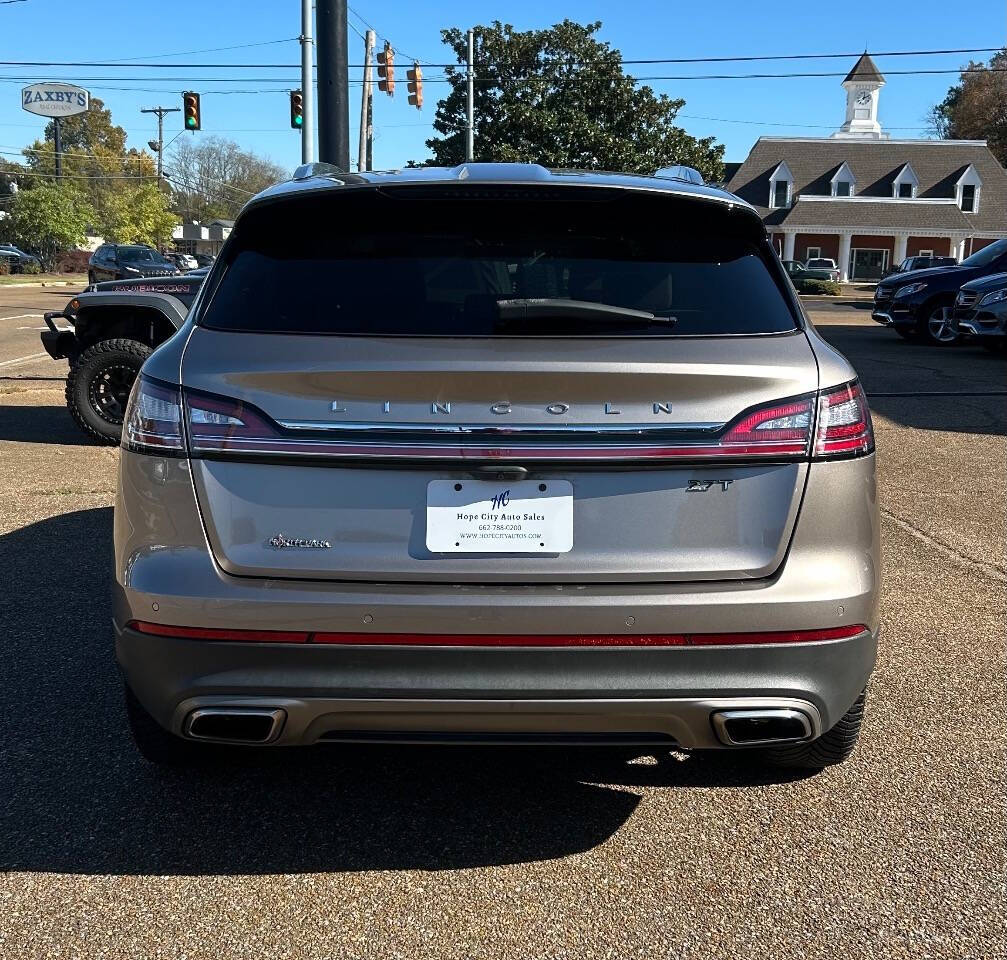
{"x":494,"y":429}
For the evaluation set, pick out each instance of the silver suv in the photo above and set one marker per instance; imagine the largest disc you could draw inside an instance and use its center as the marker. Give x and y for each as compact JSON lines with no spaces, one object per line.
{"x":499,"y":455}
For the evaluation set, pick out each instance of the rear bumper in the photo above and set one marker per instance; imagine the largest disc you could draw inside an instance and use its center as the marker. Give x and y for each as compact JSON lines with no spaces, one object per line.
{"x":165,"y":573}
{"x":493,"y":695}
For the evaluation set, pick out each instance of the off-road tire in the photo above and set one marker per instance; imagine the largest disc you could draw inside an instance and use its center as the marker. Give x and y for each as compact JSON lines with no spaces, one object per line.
{"x":85,"y":390}
{"x":832,"y":747}
{"x":156,"y":744}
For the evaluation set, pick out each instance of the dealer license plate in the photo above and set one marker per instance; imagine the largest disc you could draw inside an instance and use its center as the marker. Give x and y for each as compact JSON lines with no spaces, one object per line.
{"x":481,"y":516}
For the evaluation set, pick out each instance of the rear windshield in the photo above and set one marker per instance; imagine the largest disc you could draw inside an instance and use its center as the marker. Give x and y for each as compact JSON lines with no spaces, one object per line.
{"x":418,"y":263}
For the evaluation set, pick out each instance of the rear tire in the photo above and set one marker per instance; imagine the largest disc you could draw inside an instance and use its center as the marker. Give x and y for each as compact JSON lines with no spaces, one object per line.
{"x":98,"y":386}
{"x":155,"y":743}
{"x":832,"y":747}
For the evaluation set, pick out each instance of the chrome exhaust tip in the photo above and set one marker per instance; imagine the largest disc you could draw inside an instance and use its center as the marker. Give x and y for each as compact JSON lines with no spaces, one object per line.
{"x":234,"y":724}
{"x":751,"y":728}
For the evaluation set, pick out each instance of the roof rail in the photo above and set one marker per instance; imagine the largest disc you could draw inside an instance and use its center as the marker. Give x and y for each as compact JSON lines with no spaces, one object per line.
{"x":680,"y":172}
{"x":318,"y":169}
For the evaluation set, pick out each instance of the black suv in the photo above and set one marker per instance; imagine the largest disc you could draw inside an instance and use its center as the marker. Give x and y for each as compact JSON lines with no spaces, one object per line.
{"x":112,"y":261}
{"x":919,"y":303}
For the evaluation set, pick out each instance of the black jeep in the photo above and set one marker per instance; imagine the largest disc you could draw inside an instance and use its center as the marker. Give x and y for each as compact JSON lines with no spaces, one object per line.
{"x":113,"y":327}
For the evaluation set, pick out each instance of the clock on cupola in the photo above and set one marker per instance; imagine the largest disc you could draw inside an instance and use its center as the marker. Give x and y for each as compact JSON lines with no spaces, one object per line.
{"x":863,"y":86}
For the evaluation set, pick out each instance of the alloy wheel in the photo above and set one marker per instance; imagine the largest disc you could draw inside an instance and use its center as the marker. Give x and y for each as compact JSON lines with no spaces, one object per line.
{"x":939,"y":326}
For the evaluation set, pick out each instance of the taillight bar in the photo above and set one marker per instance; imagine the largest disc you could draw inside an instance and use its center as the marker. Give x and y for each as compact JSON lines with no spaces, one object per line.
{"x":500,"y":640}
{"x":829,"y":424}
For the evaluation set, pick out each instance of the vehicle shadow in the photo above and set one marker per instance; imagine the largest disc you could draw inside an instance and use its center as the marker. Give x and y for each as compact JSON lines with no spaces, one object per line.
{"x":39,"y":424}
{"x":78,"y":799}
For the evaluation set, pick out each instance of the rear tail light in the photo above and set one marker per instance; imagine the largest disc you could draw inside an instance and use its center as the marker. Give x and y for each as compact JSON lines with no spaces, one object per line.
{"x":844,"y":422}
{"x":500,"y":640}
{"x":782,"y":428}
{"x":153,"y":421}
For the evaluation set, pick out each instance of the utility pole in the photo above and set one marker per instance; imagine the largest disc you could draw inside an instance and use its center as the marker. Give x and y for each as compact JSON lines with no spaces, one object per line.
{"x":333,"y":84}
{"x":57,"y":144}
{"x":307,"y":86}
{"x":158,"y":145}
{"x":366,"y":130}
{"x":470,"y":77}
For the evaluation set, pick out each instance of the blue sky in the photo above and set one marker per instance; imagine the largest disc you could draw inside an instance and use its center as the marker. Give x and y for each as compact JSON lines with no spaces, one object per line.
{"x":60,"y":30}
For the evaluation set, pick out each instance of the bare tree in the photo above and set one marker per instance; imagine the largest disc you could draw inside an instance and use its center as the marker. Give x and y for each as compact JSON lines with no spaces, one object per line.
{"x":215,"y":178}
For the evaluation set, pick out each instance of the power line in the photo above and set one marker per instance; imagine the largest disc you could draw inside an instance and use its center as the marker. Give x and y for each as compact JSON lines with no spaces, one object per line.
{"x":130,"y":62}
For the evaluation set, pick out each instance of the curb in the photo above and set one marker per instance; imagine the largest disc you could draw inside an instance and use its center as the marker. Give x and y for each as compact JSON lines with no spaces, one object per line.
{"x":834,"y":296}
{"x":40,"y":283}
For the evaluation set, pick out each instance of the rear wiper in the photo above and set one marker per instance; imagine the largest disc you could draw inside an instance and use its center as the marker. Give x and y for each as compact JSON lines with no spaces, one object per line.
{"x":556,"y":308}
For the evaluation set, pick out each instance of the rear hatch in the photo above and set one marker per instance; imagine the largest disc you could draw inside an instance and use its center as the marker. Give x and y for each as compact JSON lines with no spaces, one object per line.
{"x":498,"y":385}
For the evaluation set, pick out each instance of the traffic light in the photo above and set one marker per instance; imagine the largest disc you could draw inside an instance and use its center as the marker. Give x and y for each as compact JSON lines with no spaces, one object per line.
{"x":386,"y":70}
{"x":296,"y":109}
{"x":190,"y":111}
{"x":415,"y":85}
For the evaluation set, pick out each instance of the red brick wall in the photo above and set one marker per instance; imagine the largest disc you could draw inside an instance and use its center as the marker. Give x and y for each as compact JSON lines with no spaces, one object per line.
{"x":829,"y":244}
{"x":941,"y":246}
{"x":976,"y":244}
{"x":873,"y":243}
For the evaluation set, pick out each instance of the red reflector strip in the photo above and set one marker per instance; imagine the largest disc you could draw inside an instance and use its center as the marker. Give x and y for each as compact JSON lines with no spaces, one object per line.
{"x":212,"y":633}
{"x":501,"y":640}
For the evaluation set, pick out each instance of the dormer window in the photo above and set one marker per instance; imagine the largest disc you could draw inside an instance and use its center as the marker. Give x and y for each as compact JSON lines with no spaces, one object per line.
{"x":906,"y":183}
{"x":967,"y":190}
{"x":781,"y":186}
{"x":842,"y":181}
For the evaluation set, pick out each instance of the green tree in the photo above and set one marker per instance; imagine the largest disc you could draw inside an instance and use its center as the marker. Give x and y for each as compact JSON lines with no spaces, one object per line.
{"x":560,"y":97}
{"x":136,"y":214}
{"x":976,"y":107}
{"x":96,"y":163}
{"x":49,"y":220}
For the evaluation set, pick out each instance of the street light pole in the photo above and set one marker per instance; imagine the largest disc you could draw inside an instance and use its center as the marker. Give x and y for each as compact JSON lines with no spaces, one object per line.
{"x":333,"y":84}
{"x":307,"y":86}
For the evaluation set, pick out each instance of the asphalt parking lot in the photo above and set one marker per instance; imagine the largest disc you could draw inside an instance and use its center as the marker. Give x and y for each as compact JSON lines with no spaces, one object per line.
{"x":463,"y":853}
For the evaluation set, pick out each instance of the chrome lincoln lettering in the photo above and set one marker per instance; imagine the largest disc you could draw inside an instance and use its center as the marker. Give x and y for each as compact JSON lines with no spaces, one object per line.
{"x":501,"y":408}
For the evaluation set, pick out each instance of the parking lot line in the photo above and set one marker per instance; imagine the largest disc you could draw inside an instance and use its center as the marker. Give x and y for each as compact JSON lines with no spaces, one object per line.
{"x":16,"y":360}
{"x":21,"y":316}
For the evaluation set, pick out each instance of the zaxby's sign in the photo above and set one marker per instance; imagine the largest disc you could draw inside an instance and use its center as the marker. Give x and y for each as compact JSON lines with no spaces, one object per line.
{"x":54,"y":99}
